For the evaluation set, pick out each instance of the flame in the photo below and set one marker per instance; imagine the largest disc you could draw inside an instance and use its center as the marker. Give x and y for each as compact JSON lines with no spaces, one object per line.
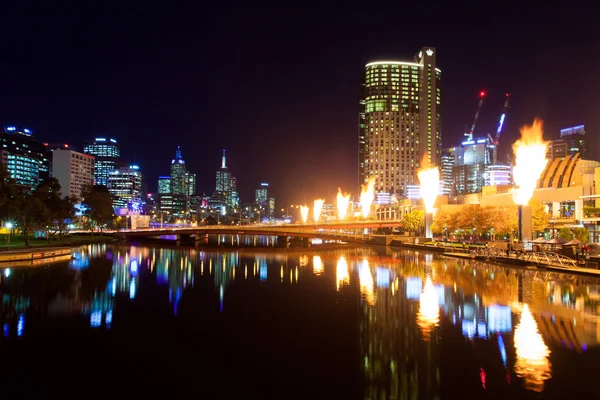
{"x":304,"y":213}
{"x":318,"y":205}
{"x":429,"y":310}
{"x":317,"y":265}
{"x":530,"y":161}
{"x":342,"y":277}
{"x":366,"y":283}
{"x":367,"y":195}
{"x":532,"y":353}
{"x":429,"y":179}
{"x":343,"y":199}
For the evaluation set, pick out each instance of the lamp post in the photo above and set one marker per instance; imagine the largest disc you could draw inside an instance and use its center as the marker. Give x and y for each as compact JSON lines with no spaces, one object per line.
{"x":9,"y":226}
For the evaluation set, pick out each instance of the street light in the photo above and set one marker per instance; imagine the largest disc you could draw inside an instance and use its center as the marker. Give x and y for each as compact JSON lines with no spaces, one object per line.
{"x":9,"y":226}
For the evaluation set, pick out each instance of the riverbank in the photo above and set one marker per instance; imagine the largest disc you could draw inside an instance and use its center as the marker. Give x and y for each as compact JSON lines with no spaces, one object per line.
{"x":18,"y":245}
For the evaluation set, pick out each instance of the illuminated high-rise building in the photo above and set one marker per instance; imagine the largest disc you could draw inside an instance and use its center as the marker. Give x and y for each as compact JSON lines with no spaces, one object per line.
{"x":178,"y":178}
{"x":27,"y":159}
{"x":107,"y":154}
{"x":74,"y":171}
{"x":226,"y":186}
{"x":399,"y":121}
{"x":125,"y":187}
{"x":190,"y":183}
{"x":164,"y":184}
{"x":578,"y":141}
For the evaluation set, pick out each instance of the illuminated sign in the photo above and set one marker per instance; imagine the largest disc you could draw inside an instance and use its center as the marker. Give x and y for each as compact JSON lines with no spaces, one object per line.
{"x":468,"y":142}
{"x":429,"y":52}
{"x":113,"y":140}
{"x":264,"y":184}
{"x":26,"y":131}
{"x":575,"y":130}
{"x":420,"y":54}
{"x":11,"y":128}
{"x":134,"y":167}
{"x":100,"y":140}
{"x":481,"y":140}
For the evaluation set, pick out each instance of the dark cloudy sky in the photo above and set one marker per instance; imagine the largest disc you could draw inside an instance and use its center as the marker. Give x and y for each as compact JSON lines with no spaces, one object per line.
{"x":278,"y":86}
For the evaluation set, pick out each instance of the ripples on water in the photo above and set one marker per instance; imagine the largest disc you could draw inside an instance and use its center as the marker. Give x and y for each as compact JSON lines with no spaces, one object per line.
{"x":351,"y":323}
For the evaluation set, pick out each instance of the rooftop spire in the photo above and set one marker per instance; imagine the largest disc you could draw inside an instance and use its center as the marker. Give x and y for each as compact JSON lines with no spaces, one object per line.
{"x":223,"y":160}
{"x":178,"y":153}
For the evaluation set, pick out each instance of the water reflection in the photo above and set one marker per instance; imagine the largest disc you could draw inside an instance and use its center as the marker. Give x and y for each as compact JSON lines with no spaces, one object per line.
{"x":421,"y":317}
{"x":532,"y":353}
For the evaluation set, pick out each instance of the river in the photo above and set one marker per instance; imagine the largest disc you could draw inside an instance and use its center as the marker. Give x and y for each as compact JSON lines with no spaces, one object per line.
{"x":353,"y":323}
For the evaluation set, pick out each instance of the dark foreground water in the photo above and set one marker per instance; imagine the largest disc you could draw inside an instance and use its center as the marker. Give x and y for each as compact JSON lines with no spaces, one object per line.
{"x":349,"y":324}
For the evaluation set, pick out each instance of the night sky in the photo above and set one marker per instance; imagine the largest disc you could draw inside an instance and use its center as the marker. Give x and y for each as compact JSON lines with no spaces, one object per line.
{"x":278,"y":87}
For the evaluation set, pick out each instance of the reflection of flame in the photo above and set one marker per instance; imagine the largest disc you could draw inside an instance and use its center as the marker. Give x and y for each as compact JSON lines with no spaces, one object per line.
{"x":317,"y":265}
{"x":367,"y":194}
{"x":429,"y":179}
{"x":532,"y":354}
{"x":342,"y":277}
{"x":366,"y":283}
{"x":429,"y":310}
{"x":343,"y":200}
{"x":304,"y":213}
{"x":530,"y":152}
{"x":317,"y":209}
{"x":303,"y":261}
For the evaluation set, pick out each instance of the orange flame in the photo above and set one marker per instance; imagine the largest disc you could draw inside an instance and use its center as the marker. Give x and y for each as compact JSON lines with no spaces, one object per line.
{"x":367,"y":195}
{"x":530,"y":161}
{"x":343,"y":200}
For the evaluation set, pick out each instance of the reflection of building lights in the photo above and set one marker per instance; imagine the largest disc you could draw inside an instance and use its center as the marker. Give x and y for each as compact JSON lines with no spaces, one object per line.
{"x":317,"y":265}
{"x":366,"y":283}
{"x":414,"y":285}
{"x":132,"y":289}
{"x":382,"y":277}
{"x":96,"y":319}
{"x":532,"y":362}
{"x":303,"y":261}
{"x":428,"y":316}
{"x":21,"y":324}
{"x":341,"y":274}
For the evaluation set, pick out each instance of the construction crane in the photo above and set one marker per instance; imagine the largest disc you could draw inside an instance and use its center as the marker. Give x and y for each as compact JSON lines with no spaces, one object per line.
{"x":494,"y":142}
{"x":481,"y":98}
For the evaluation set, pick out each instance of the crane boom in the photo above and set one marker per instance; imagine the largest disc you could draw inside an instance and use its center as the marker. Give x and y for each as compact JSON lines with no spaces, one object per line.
{"x":501,"y":122}
{"x":481,"y":98}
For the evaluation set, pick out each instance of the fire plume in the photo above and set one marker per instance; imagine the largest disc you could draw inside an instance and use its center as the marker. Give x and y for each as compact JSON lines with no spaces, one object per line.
{"x":343,"y":199}
{"x":429,"y":179}
{"x":318,"y":206}
{"x":367,"y":195}
{"x":304,"y":213}
{"x":532,"y":353}
{"x":530,"y":161}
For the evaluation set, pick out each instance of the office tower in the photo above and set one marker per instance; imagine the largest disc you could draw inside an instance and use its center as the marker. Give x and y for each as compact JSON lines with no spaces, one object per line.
{"x":27,"y":159}
{"x":226,"y":186}
{"x":107,"y":153}
{"x":74,"y":171}
{"x":399,"y":121}
{"x":451,"y":157}
{"x":190,"y":183}
{"x":262,"y":194}
{"x":557,"y":149}
{"x":164,"y":184}
{"x":578,"y":141}
{"x":178,"y":174}
{"x":125,"y":187}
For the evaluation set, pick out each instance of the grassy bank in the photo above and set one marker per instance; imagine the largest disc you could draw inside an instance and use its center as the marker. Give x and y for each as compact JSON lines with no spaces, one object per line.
{"x":17,"y":242}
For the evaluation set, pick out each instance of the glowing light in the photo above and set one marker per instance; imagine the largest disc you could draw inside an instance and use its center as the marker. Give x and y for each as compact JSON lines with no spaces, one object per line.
{"x":304,"y":213}
{"x":530,"y":152}
{"x":343,"y":199}
{"x":532,"y":353}
{"x":317,"y":265}
{"x":428,"y":316}
{"x":366,"y":283}
{"x":341,"y":276}
{"x":318,"y":206}
{"x":367,"y":195}
{"x":393,"y":63}
{"x":7,"y":272}
{"x":429,"y":179}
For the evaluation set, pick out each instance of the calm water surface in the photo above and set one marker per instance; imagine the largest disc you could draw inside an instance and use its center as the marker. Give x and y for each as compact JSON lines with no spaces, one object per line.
{"x":346,"y":324}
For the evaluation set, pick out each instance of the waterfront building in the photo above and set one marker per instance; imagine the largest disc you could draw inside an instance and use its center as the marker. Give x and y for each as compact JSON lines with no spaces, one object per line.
{"x":124,"y":185}
{"x":190,"y":183}
{"x":226,"y":194}
{"x":26,"y":158}
{"x":164,"y":184}
{"x":107,"y":154}
{"x":578,"y":140}
{"x":399,"y":121}
{"x":74,"y":171}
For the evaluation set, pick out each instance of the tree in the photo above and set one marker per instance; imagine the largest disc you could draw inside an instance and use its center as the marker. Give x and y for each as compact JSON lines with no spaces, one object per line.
{"x":8,"y":191}
{"x":57,"y":210}
{"x":414,"y":221}
{"x":565,"y":233}
{"x":539,"y":217}
{"x":581,"y":234}
{"x":31,"y":214}
{"x":98,"y":206}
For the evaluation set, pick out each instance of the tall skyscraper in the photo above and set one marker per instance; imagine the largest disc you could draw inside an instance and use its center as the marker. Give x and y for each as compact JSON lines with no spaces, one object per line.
{"x":399,"y":121}
{"x":107,"y":153}
{"x":74,"y":171}
{"x":226,"y":185}
{"x":125,"y":186}
{"x":26,"y":159}
{"x":178,"y":173}
{"x":190,"y":183}
{"x":578,"y":141}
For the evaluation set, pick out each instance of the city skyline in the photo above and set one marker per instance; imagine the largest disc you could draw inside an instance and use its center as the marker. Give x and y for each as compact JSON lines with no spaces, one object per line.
{"x":111,"y":79}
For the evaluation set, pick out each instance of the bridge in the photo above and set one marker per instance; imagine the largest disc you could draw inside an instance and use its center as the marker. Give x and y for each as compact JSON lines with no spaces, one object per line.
{"x":352,"y":231}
